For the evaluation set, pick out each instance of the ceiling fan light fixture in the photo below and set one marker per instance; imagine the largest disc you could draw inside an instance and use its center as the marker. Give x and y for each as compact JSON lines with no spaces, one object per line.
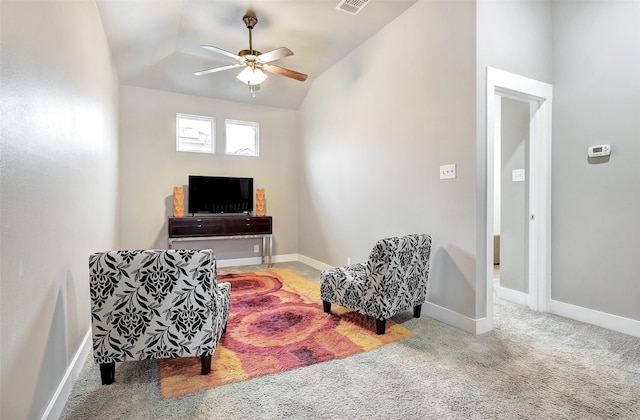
{"x":251,"y":76}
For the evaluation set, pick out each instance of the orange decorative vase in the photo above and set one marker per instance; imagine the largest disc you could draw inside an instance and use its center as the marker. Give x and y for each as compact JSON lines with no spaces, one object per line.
{"x":260,"y":202}
{"x":178,"y":201}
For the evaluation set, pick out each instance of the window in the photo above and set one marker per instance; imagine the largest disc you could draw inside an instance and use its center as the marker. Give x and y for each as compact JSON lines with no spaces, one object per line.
{"x":195,"y":134}
{"x":242,"y":138}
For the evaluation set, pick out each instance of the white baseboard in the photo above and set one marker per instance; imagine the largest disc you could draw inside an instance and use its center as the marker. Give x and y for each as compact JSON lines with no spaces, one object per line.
{"x":318,"y":265}
{"x":483,"y":325}
{"x":285,"y":258}
{"x":514,"y":296}
{"x":60,"y":397}
{"x":450,"y":317}
{"x":591,"y":316}
{"x":235,"y":262}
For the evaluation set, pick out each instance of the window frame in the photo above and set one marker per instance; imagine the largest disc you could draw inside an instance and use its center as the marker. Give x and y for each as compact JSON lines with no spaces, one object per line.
{"x":179,"y":144}
{"x":256,"y":131}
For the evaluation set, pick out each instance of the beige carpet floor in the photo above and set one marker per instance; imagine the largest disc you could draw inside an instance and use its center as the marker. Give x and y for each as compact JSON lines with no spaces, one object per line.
{"x":531,"y":366}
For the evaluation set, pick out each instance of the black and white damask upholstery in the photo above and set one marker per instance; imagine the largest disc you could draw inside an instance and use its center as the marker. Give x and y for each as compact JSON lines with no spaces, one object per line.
{"x":155,"y":304}
{"x":394,"y":279}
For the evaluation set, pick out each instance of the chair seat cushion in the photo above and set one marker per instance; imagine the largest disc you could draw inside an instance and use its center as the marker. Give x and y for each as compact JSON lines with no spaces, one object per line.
{"x":344,"y":285}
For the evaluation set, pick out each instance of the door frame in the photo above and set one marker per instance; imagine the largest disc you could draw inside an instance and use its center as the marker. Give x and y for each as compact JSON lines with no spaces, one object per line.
{"x":539,"y":96}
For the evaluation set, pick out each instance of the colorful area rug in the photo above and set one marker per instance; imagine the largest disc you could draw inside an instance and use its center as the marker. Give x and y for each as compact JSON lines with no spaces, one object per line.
{"x":276,"y":324}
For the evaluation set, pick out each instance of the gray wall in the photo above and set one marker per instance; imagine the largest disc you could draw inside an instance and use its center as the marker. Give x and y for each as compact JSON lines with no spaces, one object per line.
{"x":515,"y":37}
{"x":374,"y":136}
{"x":514,"y":201}
{"x":150,"y":167}
{"x":595,"y":206}
{"x":58,"y":188}
{"x":590,"y":52}
{"x":375,"y":129}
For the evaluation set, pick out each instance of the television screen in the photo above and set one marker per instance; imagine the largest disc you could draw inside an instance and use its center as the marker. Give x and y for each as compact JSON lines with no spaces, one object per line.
{"x":215,"y":194}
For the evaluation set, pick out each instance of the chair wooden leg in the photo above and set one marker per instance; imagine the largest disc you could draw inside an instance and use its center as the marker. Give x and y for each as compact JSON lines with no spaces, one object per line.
{"x":326,"y":306}
{"x":381,"y":325}
{"x":416,"y":311}
{"x":108,"y":373}
{"x":205,"y":361}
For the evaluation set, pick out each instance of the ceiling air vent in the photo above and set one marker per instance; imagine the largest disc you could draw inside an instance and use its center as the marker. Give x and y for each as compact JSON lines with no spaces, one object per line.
{"x":352,"y":6}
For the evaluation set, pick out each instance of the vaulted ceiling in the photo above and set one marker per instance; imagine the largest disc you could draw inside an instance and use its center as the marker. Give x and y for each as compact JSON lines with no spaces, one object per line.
{"x":156,"y":43}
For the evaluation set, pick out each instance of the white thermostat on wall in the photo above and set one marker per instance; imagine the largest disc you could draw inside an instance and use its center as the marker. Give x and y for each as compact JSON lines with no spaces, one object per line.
{"x":601,"y":150}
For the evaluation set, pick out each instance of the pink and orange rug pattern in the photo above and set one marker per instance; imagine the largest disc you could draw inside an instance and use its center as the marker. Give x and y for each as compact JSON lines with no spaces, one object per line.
{"x":276,"y":324}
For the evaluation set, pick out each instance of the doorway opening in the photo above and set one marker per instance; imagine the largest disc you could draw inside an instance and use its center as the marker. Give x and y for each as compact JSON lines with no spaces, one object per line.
{"x":511,"y":196}
{"x":538,"y":95}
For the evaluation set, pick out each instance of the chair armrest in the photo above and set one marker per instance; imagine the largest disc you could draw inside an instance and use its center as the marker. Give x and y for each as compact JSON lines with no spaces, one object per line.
{"x":347,"y":273}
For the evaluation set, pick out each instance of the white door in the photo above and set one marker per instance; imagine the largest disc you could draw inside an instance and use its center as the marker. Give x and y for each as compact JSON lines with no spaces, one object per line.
{"x":539,"y":96}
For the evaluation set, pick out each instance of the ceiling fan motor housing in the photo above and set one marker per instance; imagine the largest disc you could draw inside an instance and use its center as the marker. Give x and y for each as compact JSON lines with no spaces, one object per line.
{"x":250,"y":21}
{"x":247,"y":52}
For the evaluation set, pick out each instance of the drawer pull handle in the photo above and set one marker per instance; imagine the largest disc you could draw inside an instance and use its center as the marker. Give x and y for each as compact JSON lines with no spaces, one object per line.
{"x":199,"y":226}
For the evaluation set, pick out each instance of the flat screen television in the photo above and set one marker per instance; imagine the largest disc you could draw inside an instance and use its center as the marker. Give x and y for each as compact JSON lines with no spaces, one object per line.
{"x":220,"y":195}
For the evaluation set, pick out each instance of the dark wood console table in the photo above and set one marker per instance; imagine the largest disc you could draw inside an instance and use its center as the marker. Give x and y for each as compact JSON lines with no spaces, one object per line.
{"x":208,"y":228}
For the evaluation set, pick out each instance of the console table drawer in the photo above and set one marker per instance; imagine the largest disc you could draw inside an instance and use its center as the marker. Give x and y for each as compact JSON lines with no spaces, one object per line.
{"x":249,"y":225}
{"x":218,"y":226}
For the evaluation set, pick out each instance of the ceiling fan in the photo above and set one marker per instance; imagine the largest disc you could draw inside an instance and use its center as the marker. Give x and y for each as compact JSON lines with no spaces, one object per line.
{"x":254,"y":62}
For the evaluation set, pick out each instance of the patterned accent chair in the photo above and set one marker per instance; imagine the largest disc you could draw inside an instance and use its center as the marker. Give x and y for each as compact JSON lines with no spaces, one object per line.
{"x":155,"y":304}
{"x":394,"y":279}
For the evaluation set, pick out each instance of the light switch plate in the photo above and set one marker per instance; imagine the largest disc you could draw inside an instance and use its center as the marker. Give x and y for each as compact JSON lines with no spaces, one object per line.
{"x":517,"y":175}
{"x":448,"y":171}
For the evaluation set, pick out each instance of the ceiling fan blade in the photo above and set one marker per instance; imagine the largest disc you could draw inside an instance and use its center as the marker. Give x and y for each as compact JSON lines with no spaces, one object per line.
{"x":223,"y":52}
{"x":216,"y":69}
{"x":285,"y":72}
{"x":274,"y":55}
